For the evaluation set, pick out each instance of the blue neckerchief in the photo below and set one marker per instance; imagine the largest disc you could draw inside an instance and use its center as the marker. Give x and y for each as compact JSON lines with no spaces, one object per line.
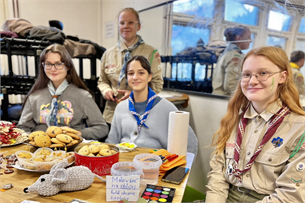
{"x":127,"y":57}
{"x":151,"y":97}
{"x":51,"y":118}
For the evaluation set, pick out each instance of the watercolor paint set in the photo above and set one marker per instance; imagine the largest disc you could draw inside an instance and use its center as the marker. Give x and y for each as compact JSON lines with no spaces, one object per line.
{"x":158,"y":193}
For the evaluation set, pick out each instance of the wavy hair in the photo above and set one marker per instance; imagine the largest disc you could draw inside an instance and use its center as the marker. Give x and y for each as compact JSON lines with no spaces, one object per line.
{"x":287,"y":92}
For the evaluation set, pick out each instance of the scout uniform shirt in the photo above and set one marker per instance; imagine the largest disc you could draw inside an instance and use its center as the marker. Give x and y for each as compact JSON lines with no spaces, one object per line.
{"x":298,"y":78}
{"x":112,"y":63}
{"x":273,"y":172}
{"x":227,"y":70}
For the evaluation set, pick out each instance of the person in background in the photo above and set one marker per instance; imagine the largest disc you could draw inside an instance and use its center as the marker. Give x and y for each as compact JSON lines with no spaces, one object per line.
{"x":112,"y":83}
{"x":260,"y":145}
{"x":143,"y":118}
{"x":228,"y":67}
{"x":60,"y":98}
{"x":296,"y":63}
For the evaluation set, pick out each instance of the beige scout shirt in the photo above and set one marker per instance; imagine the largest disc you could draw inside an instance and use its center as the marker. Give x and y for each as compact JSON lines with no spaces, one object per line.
{"x":112,"y":62}
{"x":273,"y":172}
{"x":298,"y":78}
{"x":227,"y":71}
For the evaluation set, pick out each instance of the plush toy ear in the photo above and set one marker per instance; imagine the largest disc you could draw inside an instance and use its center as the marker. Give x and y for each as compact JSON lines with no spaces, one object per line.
{"x":58,"y":166}
{"x":59,"y":176}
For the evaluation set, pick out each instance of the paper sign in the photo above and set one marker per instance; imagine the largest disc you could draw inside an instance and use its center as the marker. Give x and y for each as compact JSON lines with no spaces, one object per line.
{"x":122,"y":187}
{"x":109,"y":30}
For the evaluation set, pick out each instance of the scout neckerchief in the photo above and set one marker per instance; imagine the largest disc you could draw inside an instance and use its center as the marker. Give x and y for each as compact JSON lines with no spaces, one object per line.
{"x":275,"y":122}
{"x":150,"y":100}
{"x":127,"y":57}
{"x":51,"y":118}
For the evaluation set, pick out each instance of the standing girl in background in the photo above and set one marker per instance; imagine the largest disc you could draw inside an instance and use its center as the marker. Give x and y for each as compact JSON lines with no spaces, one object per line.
{"x":60,"y":98}
{"x":228,"y":67}
{"x":112,"y":83}
{"x":260,"y":150}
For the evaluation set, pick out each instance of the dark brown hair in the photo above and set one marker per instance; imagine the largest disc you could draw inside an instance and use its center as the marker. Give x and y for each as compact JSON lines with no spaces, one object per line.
{"x":231,"y":33}
{"x":42,"y":80}
{"x":296,"y":56}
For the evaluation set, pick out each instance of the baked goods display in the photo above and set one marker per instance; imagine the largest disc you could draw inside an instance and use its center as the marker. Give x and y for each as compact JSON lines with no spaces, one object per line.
{"x":43,"y":158}
{"x":11,"y":135}
{"x":55,"y":137}
{"x":96,"y":150}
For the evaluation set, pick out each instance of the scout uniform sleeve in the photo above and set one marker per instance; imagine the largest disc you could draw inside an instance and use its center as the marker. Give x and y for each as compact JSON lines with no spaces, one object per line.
{"x":290,"y":185}
{"x":104,"y":82}
{"x":299,"y":82}
{"x":26,"y":121}
{"x":97,"y":127}
{"x":157,"y":79}
{"x":217,"y":187}
{"x":232,"y":72}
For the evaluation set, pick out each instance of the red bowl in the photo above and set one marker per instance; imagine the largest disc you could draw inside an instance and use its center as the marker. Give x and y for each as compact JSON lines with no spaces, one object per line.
{"x":98,"y":165}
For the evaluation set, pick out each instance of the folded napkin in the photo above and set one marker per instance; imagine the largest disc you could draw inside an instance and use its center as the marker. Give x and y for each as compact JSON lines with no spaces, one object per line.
{"x":180,"y":160}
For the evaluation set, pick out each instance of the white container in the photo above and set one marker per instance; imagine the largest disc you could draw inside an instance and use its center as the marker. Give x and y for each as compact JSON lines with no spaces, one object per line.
{"x":150,"y":164}
{"x":126,"y":169}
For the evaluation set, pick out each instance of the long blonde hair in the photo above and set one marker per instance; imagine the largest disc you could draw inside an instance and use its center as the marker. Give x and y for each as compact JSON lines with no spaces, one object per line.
{"x":287,"y":92}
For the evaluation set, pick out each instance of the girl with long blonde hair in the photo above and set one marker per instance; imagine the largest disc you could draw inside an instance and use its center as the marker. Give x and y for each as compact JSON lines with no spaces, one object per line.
{"x":259,"y":154}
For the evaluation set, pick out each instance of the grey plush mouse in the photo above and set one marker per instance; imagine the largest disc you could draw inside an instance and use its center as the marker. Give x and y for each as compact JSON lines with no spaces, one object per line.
{"x":61,"y":179}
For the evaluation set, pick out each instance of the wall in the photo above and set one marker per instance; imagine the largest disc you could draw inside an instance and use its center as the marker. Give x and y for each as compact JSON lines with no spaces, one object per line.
{"x":205,"y":115}
{"x":87,"y":19}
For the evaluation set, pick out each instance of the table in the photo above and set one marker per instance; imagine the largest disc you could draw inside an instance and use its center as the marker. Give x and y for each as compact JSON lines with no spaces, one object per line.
{"x":95,"y":194}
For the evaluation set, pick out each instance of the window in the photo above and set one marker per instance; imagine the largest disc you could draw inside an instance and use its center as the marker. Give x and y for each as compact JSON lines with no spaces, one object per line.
{"x":278,"y":21}
{"x":241,"y":13}
{"x":300,"y":45}
{"x":302,"y":26}
{"x":276,"y":41}
{"x":195,"y":8}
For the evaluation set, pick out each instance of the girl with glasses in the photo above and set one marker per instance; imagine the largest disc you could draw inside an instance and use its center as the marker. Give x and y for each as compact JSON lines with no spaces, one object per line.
{"x":112,"y":83}
{"x":60,"y":98}
{"x":260,"y":145}
{"x":143,"y":118}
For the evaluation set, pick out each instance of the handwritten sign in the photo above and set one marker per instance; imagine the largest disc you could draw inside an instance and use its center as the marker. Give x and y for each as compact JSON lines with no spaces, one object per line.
{"x":122,"y":187}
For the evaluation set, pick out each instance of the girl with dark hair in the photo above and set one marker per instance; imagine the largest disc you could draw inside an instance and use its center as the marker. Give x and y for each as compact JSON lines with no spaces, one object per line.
{"x":143,"y":118}
{"x":60,"y":98}
{"x":260,"y":145}
{"x":228,"y":67}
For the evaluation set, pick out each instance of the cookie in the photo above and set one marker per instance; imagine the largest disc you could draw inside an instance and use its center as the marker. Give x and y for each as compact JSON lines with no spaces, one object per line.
{"x":64,"y":138}
{"x":33,"y":134}
{"x":94,"y":148}
{"x":56,"y":145}
{"x":24,"y":155}
{"x":72,"y":143}
{"x":32,"y":143}
{"x":113,"y":151}
{"x":104,"y":146}
{"x":84,"y":150}
{"x":91,"y":155}
{"x":42,"y":140}
{"x":74,"y":136}
{"x":56,"y":141}
{"x":105,"y":152}
{"x":70,"y":130}
{"x":52,"y":131}
{"x":43,"y":152}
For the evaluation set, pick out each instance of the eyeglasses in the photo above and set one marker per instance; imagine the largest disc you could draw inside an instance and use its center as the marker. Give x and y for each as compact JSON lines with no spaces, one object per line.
{"x":57,"y":65}
{"x":260,"y":76}
{"x":128,"y":23}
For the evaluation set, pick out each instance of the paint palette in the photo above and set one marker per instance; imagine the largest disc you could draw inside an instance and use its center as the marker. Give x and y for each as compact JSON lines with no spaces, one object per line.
{"x":158,"y":193}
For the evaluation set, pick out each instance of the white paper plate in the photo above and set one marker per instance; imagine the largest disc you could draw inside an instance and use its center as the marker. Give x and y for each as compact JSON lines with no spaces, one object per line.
{"x":17,"y":166}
